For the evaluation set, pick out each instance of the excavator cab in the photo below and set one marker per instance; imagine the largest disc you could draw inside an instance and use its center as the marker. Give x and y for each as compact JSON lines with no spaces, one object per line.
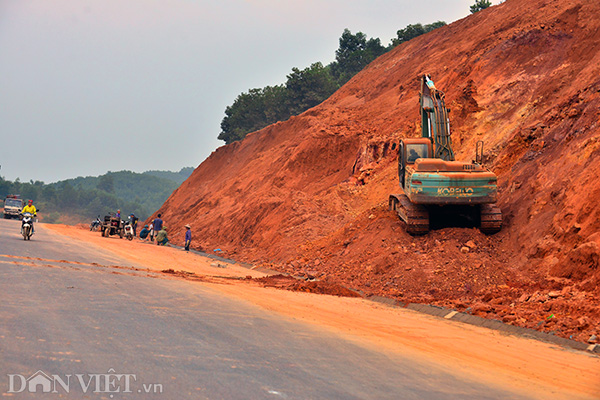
{"x":409,"y":151}
{"x":416,"y":150}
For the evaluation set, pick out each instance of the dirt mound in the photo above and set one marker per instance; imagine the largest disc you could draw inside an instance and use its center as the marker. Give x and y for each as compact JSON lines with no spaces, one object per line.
{"x":290,"y":283}
{"x":308,"y":196}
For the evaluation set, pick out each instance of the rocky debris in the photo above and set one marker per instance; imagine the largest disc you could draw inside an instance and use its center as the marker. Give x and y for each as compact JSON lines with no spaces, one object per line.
{"x":554,"y":294}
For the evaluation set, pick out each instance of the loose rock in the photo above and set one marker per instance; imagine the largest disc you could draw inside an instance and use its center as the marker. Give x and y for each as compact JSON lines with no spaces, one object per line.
{"x":471,"y":245}
{"x":593,"y":339}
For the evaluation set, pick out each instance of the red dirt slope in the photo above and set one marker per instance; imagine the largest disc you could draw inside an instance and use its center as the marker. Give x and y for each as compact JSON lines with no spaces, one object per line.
{"x":309,"y":195}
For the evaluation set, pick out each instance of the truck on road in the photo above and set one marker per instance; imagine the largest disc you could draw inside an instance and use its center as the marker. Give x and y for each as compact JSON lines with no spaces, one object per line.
{"x":13,"y":204}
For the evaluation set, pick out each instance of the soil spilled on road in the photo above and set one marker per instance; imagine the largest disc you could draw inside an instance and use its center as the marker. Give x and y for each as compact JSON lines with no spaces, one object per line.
{"x":527,"y":366}
{"x":291,"y":283}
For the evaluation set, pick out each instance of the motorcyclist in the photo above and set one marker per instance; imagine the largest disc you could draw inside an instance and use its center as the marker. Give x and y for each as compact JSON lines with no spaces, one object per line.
{"x":30,"y":208}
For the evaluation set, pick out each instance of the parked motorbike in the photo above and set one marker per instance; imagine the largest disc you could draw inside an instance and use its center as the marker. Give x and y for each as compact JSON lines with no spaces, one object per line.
{"x":94,"y":225}
{"x":27,"y":226}
{"x":128,"y":228}
{"x":112,"y":226}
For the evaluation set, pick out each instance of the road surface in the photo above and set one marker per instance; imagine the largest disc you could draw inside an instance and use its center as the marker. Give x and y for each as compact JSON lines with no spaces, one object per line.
{"x":97,"y":332}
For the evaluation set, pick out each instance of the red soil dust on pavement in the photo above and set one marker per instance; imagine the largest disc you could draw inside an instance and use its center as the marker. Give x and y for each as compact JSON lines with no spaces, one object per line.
{"x":516,"y":364}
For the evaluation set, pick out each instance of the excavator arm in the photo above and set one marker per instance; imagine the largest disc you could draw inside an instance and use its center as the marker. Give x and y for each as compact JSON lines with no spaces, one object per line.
{"x":435,"y":124}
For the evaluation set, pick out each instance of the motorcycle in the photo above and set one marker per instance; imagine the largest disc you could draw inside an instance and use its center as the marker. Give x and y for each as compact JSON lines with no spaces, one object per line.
{"x":27,"y":226}
{"x":94,"y":225}
{"x":128,"y":230}
{"x":112,"y":226}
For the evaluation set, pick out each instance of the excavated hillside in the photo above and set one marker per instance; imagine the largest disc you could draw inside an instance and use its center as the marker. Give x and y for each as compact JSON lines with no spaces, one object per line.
{"x":308,"y":196}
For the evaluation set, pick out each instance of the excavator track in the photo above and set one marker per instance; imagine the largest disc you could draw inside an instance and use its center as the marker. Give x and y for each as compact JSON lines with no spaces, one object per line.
{"x":491,"y":218}
{"x":416,"y":216}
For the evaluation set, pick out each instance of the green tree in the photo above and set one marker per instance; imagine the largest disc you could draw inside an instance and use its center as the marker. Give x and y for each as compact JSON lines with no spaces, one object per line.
{"x":49,"y":193}
{"x":353,"y":54}
{"x":5,"y":188}
{"x":410,"y":32}
{"x":67,"y":196}
{"x":106,"y":183}
{"x":304,"y":88}
{"x":252,"y":111}
{"x":308,"y":87}
{"x":414,"y":30}
{"x":262,"y":107}
{"x":31,"y":190}
{"x":480,"y":5}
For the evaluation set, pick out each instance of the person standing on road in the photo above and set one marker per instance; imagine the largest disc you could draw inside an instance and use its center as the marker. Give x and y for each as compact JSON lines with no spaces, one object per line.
{"x":161,"y":238}
{"x":188,"y":237}
{"x":134,"y":221}
{"x":157,"y":225}
{"x":151,"y":231}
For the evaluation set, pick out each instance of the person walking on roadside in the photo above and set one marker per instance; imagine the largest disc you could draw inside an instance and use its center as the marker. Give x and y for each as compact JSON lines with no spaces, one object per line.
{"x":161,"y":238}
{"x":188,"y":237}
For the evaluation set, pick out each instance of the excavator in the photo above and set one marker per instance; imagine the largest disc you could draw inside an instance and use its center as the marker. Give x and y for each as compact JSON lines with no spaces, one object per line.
{"x":432,"y":180}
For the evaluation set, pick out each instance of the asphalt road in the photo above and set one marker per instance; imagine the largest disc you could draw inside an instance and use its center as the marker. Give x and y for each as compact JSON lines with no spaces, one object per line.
{"x":101,"y":333}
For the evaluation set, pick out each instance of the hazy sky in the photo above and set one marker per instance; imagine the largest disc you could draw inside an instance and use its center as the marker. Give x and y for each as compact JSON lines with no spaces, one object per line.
{"x":90,"y":86}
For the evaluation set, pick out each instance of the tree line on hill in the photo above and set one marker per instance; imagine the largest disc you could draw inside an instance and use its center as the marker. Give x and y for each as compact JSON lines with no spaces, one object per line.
{"x":84,"y":198}
{"x":309,"y":87}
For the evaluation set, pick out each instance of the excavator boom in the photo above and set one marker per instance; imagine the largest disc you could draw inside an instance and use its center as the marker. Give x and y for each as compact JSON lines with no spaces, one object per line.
{"x":435,"y":123}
